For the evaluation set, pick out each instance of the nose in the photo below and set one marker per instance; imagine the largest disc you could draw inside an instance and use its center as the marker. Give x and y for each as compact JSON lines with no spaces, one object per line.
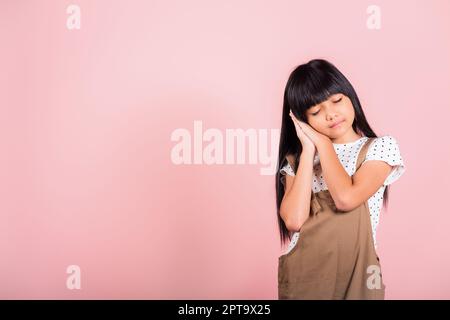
{"x":331,"y":114}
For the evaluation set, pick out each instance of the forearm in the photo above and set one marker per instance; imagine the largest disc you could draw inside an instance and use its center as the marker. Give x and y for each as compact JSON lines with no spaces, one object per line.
{"x":337,"y":179}
{"x":296,"y":202}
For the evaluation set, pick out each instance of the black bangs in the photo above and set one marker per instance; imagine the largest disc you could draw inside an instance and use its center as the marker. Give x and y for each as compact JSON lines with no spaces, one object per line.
{"x":311,"y":84}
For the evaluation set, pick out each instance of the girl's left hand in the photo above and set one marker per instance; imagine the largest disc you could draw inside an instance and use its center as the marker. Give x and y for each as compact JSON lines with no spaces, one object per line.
{"x":316,"y":137}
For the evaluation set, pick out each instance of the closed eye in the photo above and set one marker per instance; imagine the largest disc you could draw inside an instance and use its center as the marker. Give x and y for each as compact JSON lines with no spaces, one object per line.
{"x":315,"y":113}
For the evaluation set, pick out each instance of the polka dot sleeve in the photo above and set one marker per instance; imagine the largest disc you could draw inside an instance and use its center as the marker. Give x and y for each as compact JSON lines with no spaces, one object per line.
{"x":287,"y":169}
{"x":386,"y":149}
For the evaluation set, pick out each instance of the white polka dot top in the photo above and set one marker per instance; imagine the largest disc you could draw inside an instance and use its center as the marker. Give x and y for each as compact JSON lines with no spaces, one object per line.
{"x":382,"y":148}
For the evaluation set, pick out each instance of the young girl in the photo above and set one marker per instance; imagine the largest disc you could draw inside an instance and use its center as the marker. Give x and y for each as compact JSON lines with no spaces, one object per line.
{"x":332,"y":177}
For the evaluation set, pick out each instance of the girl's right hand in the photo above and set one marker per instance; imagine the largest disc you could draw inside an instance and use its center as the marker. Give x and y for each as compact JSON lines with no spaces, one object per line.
{"x":307,"y":144}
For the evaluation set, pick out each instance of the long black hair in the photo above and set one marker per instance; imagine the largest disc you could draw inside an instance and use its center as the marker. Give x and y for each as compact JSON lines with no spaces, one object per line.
{"x":308,"y":85}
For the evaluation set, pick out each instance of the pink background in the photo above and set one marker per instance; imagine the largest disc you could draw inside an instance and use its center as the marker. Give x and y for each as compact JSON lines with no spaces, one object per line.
{"x":86,"y":120}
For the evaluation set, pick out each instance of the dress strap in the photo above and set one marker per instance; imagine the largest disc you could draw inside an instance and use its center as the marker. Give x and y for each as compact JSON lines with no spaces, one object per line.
{"x":363,"y":152}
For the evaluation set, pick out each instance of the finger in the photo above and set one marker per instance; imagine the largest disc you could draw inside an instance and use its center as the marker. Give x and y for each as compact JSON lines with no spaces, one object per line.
{"x":292,"y":114}
{"x":293,"y":118}
{"x":297,"y":123}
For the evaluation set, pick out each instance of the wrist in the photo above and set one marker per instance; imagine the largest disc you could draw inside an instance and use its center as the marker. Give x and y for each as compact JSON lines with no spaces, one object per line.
{"x":324,"y":142}
{"x":308,"y":153}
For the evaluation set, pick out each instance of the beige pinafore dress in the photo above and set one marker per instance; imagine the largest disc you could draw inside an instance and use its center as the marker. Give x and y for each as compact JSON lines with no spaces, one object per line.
{"x":334,"y":257}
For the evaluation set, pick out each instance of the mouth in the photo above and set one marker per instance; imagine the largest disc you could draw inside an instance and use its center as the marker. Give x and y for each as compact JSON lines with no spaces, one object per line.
{"x":336,"y":124}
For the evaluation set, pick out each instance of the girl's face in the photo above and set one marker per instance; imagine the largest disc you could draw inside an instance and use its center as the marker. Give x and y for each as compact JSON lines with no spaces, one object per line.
{"x":333,"y":117}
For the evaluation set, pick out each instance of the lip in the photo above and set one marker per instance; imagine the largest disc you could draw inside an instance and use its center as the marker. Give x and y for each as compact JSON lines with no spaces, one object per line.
{"x":336,"y":124}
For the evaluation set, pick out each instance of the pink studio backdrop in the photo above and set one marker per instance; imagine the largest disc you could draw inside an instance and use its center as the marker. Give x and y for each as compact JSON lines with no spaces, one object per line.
{"x":87,"y":117}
